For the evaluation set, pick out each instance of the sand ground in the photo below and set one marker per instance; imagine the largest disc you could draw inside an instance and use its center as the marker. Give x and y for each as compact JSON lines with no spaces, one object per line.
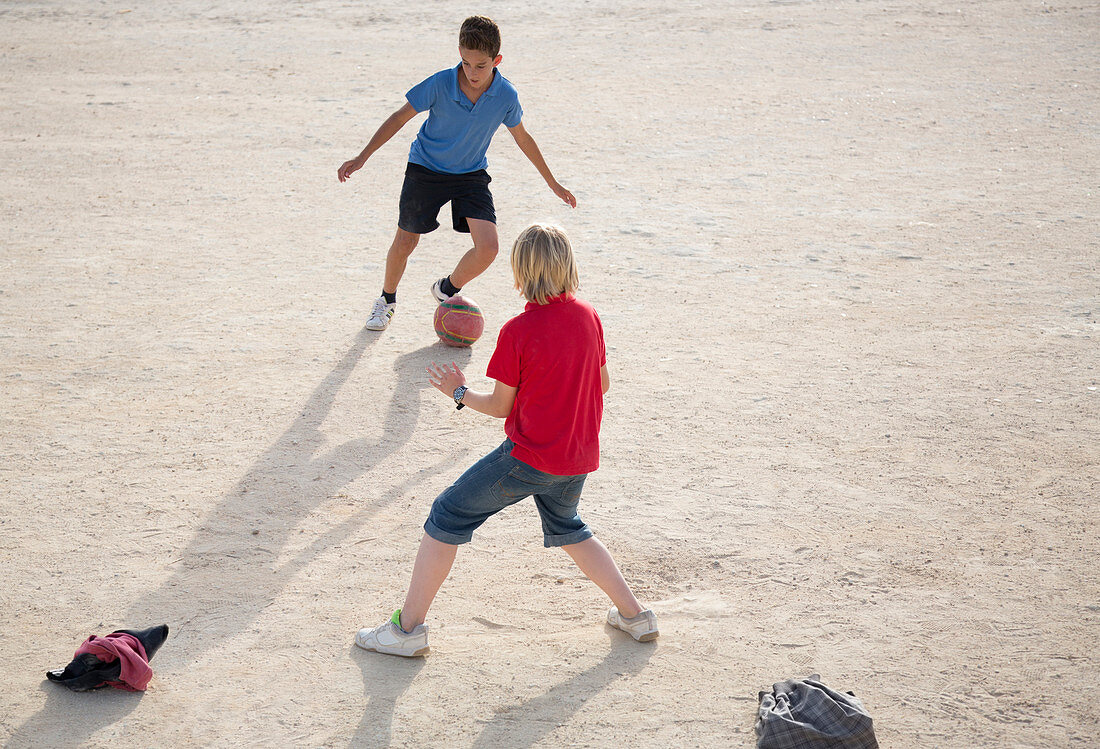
{"x":846,"y":258}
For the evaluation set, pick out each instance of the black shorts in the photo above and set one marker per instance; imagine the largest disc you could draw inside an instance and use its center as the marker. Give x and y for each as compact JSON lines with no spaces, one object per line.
{"x":425,"y":192}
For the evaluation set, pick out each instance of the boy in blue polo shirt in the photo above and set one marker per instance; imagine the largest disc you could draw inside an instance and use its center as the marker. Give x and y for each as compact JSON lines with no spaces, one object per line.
{"x":466,"y":105}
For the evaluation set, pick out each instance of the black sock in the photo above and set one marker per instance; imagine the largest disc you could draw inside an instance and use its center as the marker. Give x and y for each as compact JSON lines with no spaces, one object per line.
{"x":449,"y":288}
{"x":390,"y":298}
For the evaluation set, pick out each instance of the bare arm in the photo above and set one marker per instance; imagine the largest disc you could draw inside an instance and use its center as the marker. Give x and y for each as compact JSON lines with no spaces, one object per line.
{"x":497,"y":403}
{"x":385,"y":131}
{"x":531,"y":150}
{"x":605,"y":379}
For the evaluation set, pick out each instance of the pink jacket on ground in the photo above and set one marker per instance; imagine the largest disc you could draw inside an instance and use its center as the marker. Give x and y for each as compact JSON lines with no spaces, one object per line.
{"x":136,"y":672}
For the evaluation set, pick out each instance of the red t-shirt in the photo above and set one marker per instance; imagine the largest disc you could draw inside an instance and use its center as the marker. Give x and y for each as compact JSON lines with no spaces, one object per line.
{"x":553,"y":354}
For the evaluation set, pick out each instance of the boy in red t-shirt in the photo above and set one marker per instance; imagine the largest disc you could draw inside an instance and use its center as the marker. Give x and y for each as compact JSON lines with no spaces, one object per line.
{"x":550,"y":368}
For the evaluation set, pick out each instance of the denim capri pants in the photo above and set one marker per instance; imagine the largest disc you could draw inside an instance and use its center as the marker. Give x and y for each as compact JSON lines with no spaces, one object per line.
{"x":497,"y":481}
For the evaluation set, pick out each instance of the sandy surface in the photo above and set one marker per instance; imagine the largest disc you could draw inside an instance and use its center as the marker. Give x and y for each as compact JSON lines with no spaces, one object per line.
{"x":846,"y":258}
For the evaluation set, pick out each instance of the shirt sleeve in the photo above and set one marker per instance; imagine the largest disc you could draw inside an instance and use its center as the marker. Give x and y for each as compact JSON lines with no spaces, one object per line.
{"x":514,"y":114}
{"x":601,"y":345}
{"x":504,"y":364}
{"x":422,"y":95}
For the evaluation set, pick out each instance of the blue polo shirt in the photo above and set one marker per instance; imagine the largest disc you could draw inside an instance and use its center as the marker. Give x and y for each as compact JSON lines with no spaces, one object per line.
{"x":456,"y":135}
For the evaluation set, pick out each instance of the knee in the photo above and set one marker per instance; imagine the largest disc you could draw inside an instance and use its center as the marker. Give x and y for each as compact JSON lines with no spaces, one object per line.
{"x":405,"y":243}
{"x":487,"y":249}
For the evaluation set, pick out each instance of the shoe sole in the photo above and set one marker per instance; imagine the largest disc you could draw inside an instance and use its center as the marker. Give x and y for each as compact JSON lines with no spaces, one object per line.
{"x":645,"y":637}
{"x":422,"y":651}
{"x":391,"y":651}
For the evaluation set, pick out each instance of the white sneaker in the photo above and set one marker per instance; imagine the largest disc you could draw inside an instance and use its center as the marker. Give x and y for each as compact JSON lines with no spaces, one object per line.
{"x":391,"y":639}
{"x":437,"y":291}
{"x":642,"y":627}
{"x":381,"y":315}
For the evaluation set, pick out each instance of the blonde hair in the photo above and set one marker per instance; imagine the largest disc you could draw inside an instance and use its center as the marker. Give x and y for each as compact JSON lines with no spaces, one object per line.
{"x":543,"y":264}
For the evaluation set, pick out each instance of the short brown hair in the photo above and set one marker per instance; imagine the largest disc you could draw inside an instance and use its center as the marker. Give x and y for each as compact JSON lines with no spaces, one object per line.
{"x":481,"y":34}
{"x":543,"y":264}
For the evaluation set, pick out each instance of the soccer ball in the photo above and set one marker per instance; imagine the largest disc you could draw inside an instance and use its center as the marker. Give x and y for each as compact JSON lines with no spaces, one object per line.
{"x":458,"y":321}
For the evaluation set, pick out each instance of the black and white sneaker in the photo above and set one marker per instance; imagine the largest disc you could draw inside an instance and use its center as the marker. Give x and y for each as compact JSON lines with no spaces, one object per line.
{"x":437,"y":291}
{"x":381,"y":315}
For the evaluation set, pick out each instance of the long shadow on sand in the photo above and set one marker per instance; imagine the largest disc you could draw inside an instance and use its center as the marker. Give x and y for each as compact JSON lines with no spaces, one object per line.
{"x":245,"y":533}
{"x":385,"y":679}
{"x":70,"y":718}
{"x":527,"y":723}
{"x":523,"y":724}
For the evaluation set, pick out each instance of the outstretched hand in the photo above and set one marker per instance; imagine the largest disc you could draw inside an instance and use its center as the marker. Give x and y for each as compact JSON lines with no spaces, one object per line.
{"x":446,"y":378}
{"x":565,"y":195}
{"x":345,"y":171}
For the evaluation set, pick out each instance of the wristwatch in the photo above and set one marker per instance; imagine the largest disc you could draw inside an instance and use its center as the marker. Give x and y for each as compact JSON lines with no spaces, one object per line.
{"x":460,"y":391}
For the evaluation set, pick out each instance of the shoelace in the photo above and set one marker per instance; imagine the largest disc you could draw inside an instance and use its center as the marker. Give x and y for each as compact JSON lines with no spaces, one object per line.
{"x":379,"y":308}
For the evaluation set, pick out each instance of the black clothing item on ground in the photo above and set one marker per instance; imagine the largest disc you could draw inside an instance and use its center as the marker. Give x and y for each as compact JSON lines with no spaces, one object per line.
{"x":86,"y":672}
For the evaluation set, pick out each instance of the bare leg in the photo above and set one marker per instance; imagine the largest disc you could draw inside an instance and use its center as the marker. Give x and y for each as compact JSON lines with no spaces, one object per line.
{"x":477,"y":260}
{"x":596,"y":562}
{"x":397,"y":258}
{"x":433,"y":564}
